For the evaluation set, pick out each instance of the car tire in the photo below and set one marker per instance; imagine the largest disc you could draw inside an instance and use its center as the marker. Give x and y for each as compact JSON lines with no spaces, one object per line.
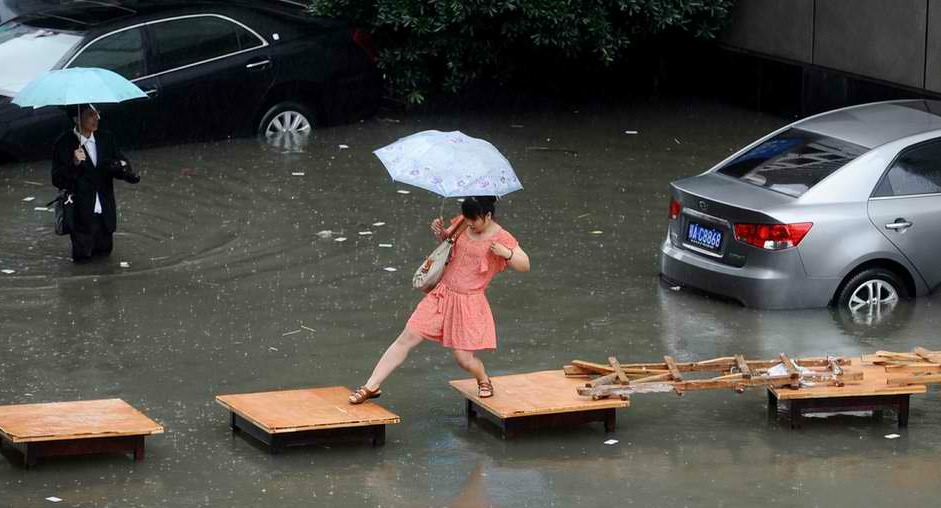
{"x":858,"y":290}
{"x":287,"y":117}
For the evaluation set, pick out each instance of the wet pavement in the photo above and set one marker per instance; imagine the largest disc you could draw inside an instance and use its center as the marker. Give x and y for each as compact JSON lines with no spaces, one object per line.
{"x":228,"y":288}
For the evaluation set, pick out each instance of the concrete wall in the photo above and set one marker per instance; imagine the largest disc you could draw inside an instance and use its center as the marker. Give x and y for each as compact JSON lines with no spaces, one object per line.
{"x":896,"y":41}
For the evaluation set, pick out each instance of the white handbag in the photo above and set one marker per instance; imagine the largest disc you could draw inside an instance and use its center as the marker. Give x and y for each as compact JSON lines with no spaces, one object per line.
{"x":429,"y":273}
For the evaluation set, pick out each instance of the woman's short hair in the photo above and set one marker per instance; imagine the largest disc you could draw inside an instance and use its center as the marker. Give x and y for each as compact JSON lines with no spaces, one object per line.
{"x":475,"y":207}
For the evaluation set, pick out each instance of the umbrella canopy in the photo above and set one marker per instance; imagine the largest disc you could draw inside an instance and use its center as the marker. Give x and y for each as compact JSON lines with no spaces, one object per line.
{"x":78,"y":85}
{"x":450,"y":164}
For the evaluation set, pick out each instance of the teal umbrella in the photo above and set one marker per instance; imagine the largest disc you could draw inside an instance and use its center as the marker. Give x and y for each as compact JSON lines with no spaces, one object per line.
{"x":75,"y":86}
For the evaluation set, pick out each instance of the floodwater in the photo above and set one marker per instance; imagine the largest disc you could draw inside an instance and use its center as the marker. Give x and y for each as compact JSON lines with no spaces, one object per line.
{"x":228,"y":288}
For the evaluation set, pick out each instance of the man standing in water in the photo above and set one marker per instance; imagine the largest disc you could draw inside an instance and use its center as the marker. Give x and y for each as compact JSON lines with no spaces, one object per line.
{"x":85,"y":162}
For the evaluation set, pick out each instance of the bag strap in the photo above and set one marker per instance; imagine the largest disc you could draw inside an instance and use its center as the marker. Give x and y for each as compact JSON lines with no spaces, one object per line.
{"x":457,"y":230}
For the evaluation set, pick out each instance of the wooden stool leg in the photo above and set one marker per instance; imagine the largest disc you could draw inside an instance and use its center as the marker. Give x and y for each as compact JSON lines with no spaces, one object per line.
{"x":903,"y":411}
{"x":139,"y":449}
{"x":379,"y":435}
{"x":232,"y":424}
{"x":794,"y":413}
{"x":471,"y":414}
{"x":29,"y":456}
{"x":772,"y":406}
{"x":610,"y":420}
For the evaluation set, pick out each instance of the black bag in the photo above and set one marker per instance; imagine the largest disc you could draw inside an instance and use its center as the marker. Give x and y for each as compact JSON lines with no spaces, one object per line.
{"x":64,"y":212}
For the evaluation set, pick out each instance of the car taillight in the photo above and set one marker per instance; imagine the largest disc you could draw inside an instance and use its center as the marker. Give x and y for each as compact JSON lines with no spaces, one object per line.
{"x":364,"y":40}
{"x":675,"y":208}
{"x":772,"y":236}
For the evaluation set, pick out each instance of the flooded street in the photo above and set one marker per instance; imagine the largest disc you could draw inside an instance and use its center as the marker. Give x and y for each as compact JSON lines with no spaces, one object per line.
{"x":229,"y":288}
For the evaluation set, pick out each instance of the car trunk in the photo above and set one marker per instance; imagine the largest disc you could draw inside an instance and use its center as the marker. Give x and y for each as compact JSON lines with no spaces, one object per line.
{"x":705,"y":223}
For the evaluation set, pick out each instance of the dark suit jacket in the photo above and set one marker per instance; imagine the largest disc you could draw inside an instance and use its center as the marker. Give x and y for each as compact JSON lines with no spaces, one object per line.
{"x":85,"y":179}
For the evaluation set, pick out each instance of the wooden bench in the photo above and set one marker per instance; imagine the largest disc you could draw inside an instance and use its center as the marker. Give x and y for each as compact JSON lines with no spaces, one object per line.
{"x":75,"y":428}
{"x":872,"y":393}
{"x":280,"y":419}
{"x":537,"y":400}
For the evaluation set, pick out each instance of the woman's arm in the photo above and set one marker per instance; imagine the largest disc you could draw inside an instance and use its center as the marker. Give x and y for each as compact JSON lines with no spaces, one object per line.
{"x":516,"y":259}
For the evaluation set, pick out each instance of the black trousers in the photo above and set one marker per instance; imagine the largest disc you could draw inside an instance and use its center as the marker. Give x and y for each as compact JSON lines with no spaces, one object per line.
{"x":98,"y":242}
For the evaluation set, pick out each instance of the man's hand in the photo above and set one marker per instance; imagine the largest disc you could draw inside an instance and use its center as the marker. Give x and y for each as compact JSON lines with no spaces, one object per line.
{"x":78,"y":156}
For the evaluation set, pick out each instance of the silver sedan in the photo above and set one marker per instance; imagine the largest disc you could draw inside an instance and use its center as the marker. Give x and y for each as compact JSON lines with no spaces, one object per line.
{"x":842,"y":208}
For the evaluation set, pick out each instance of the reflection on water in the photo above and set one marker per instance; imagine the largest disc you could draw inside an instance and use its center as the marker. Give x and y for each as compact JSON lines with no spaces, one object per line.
{"x":224,"y":264}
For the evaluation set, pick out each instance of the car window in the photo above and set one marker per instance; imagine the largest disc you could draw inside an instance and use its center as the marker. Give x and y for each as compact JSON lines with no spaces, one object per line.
{"x":122,"y":52}
{"x":186,"y":41}
{"x":26,"y":52}
{"x":792,"y":162}
{"x":916,"y":171}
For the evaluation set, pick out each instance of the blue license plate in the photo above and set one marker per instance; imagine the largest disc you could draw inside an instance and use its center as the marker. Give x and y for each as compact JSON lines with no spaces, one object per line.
{"x":702,"y":236}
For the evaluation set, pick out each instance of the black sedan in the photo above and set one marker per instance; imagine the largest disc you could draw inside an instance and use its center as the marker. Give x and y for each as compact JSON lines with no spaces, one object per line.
{"x":210,"y":69}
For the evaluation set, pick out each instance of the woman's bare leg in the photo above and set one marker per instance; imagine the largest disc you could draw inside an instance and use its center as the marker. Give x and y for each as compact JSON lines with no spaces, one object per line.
{"x":469,"y":362}
{"x":393,"y":357}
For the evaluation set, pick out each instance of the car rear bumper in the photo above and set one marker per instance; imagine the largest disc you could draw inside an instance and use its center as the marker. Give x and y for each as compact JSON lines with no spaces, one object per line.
{"x":782,"y":284}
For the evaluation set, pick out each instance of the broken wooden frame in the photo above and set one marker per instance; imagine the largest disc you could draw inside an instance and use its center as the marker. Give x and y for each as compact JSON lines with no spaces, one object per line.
{"x":919,"y":367}
{"x":735,"y":373}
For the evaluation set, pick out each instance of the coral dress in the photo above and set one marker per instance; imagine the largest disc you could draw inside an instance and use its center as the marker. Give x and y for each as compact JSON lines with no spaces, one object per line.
{"x":456,"y":312}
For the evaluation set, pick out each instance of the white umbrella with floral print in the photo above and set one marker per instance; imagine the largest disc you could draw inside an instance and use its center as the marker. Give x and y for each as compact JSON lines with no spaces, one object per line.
{"x":450,"y":164}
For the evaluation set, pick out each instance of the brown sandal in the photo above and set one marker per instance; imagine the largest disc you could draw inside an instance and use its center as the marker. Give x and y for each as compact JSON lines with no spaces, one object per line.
{"x":484,"y":389}
{"x":363,"y":394}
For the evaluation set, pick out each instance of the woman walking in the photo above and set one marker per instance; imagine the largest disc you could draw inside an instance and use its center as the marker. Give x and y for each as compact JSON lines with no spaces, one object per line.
{"x":456,"y":312}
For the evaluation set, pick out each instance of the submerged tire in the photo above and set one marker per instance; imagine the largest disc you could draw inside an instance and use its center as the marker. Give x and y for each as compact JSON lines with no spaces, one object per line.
{"x":871,"y":287}
{"x":286,"y":118}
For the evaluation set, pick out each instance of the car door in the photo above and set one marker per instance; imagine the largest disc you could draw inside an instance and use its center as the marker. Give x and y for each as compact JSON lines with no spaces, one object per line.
{"x":906,"y":208}
{"x":124,"y":52}
{"x":213,"y":72}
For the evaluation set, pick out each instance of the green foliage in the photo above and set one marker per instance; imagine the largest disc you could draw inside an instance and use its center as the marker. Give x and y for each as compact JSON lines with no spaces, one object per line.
{"x":427,"y":46}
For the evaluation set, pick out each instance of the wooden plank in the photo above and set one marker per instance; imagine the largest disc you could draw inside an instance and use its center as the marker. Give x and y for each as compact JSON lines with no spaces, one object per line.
{"x":653,"y":379}
{"x":742,"y":366}
{"x":860,"y":380}
{"x":30,"y":423}
{"x":791,"y":370}
{"x":306,"y":409}
{"x":534,"y":393}
{"x":914,"y":379}
{"x":674,"y":370}
{"x":924,"y":354}
{"x":597,"y":368}
{"x":603,"y":380}
{"x":621,"y":376}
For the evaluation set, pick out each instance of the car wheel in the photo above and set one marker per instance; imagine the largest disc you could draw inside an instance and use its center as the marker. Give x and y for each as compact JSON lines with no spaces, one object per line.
{"x":286,"y":118}
{"x":871,"y":292}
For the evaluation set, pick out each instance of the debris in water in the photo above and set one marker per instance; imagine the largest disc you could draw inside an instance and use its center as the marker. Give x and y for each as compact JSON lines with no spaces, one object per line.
{"x":386,"y":245}
{"x":365,"y":233}
{"x":611,"y":442}
{"x":272,"y":348}
{"x":630,"y":132}
{"x":309,"y":329}
{"x":297,"y":173}
{"x":390,"y":269}
{"x":8,"y":271}
{"x":597,"y":232}
{"x":54,"y":499}
{"x":28,"y":199}
{"x":325,"y":233}
{"x":676,"y":141}
{"x":517,"y":126}
{"x":343,"y":147}
{"x":378,"y":224}
{"x":674,"y":288}
{"x":42,"y":209}
{"x":893,"y":436}
{"x":340,"y":239}
{"x":403,"y":191}
{"x":125,"y":264}
{"x":292,"y":332}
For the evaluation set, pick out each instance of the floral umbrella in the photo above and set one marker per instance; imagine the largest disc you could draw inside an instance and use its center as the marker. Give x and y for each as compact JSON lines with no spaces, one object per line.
{"x":450,"y":164}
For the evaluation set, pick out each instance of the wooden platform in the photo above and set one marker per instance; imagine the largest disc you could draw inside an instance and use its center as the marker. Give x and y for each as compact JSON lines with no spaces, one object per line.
{"x":75,"y":428}
{"x":308,"y":416}
{"x":872,"y":393}
{"x":536,"y":400}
